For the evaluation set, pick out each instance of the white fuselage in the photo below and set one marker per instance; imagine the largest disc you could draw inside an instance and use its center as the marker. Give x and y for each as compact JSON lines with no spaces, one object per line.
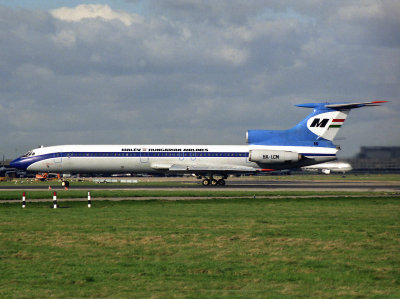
{"x":156,"y":158}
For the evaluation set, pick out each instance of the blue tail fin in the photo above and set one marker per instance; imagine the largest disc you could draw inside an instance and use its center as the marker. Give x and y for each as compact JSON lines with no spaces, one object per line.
{"x":317,"y":129}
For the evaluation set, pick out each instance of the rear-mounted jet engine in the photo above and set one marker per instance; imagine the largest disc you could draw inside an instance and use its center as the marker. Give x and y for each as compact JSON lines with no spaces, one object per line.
{"x":273,"y":156}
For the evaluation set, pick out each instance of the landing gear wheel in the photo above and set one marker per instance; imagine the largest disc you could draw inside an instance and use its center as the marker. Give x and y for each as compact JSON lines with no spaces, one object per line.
{"x":214,"y":182}
{"x":221,"y":182}
{"x":65,"y":184}
{"x":206,"y":182}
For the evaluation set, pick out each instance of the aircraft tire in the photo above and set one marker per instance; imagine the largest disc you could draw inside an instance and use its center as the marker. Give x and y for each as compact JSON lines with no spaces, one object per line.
{"x":65,"y":184}
{"x":214,"y":182}
{"x":206,"y":182}
{"x":221,"y":182}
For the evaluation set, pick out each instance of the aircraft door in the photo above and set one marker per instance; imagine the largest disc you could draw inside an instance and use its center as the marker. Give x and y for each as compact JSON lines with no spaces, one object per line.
{"x":144,"y":157}
{"x":247,"y":158}
{"x":58,"y":158}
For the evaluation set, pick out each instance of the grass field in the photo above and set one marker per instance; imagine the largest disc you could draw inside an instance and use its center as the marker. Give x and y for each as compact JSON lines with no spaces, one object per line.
{"x":247,"y":248}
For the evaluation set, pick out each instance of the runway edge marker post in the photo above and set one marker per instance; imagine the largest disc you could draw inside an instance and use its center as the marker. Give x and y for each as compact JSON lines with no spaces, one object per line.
{"x":54,"y":200}
{"x":89,"y":200}
{"x":23,"y":199}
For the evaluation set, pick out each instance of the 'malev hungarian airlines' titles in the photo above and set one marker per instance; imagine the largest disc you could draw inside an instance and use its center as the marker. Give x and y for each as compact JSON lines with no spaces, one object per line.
{"x":309,"y":142}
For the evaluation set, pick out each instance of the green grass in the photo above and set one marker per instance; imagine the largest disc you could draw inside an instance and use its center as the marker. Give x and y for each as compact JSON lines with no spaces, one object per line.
{"x":242,"y":248}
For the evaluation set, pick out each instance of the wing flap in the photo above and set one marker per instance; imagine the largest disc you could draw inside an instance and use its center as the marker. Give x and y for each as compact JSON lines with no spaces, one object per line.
{"x":160,"y":167}
{"x":203,"y":168}
{"x":219,"y":168}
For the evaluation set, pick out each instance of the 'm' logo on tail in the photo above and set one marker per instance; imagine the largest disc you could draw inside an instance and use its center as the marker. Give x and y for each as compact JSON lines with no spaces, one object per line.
{"x":317,"y":123}
{"x":327,"y":124}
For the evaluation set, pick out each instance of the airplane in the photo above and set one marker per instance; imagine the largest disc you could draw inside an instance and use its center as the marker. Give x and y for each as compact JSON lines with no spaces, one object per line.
{"x":328,"y":167}
{"x":307,"y":143}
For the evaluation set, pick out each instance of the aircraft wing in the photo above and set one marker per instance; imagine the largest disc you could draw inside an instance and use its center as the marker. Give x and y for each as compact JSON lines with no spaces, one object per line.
{"x":204,"y":168}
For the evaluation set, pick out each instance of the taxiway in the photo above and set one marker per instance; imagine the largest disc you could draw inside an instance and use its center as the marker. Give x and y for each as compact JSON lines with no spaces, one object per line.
{"x":237,"y":184}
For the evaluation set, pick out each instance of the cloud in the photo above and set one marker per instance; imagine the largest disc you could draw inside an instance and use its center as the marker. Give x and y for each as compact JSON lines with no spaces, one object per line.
{"x":194,"y":71}
{"x":93,"y":11}
{"x":368,"y":22}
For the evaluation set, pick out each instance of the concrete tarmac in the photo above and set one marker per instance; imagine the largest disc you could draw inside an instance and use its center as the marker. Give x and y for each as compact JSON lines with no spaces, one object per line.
{"x":235,"y":184}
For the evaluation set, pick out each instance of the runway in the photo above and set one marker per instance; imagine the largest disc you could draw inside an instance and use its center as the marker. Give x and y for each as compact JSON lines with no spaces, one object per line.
{"x":236,"y":184}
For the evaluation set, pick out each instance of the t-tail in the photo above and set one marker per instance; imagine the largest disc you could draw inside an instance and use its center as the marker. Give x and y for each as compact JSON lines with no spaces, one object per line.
{"x":317,"y":129}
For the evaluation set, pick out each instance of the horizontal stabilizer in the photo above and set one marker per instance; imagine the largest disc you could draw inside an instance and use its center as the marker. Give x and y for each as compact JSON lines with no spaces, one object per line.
{"x":355,"y":105}
{"x":341,"y":106}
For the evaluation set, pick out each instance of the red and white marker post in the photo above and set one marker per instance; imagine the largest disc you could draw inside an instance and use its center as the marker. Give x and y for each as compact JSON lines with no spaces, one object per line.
{"x":23,"y":200}
{"x":54,"y":200}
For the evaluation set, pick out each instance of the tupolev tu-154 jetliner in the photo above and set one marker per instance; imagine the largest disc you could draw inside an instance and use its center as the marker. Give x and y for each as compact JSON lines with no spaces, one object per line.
{"x":307,"y":143}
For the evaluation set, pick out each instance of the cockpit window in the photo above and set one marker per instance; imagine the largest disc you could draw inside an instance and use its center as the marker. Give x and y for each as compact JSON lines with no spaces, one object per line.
{"x":28,"y":154}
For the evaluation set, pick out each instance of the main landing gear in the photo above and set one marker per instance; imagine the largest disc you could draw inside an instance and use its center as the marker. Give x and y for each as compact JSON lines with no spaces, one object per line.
{"x":210,"y":181}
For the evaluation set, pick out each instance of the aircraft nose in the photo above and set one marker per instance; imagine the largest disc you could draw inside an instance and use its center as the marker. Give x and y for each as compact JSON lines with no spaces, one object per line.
{"x":18,"y":163}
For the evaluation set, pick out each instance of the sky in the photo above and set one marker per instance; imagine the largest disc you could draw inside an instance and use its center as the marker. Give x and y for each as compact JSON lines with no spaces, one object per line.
{"x":193,"y":72}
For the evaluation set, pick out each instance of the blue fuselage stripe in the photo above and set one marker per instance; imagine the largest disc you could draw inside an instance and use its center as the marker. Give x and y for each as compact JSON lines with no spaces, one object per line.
{"x":150,"y":154}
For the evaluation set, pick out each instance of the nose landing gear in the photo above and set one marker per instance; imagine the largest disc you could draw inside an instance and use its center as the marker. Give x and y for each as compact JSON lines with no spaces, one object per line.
{"x":65,"y":184}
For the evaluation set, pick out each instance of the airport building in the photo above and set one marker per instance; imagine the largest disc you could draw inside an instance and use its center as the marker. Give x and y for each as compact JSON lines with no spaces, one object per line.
{"x":377,"y":159}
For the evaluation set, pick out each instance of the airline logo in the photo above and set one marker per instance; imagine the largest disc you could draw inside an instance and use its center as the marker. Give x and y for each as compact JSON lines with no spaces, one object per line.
{"x":327,"y":125}
{"x":336,"y":123}
{"x":319,"y":123}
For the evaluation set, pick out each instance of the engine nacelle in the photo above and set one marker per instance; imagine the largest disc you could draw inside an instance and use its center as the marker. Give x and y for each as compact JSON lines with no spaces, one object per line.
{"x":273,"y":156}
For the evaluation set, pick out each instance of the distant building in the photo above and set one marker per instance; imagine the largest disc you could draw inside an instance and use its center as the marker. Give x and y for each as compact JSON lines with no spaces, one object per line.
{"x":377,"y":159}
{"x":379,"y":152}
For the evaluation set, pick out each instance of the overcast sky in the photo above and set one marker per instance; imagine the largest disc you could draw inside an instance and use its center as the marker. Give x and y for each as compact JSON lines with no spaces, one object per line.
{"x":193,"y":72}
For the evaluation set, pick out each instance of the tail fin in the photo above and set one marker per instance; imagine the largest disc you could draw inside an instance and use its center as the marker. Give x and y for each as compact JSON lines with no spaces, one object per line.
{"x":317,"y":129}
